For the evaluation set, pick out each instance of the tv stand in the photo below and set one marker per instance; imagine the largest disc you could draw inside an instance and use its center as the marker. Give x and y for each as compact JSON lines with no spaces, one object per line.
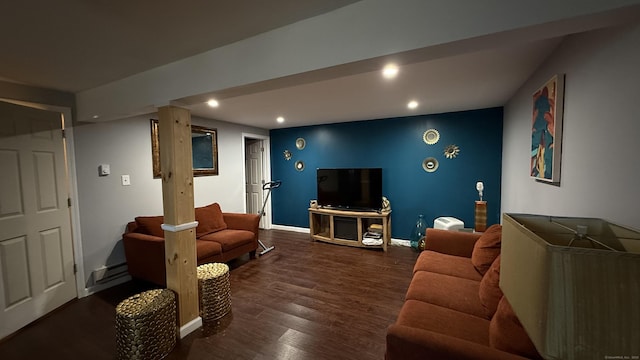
{"x":346,"y":227}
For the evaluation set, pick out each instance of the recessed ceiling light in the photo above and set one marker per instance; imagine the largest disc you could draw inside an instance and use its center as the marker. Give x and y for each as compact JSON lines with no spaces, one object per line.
{"x":95,"y":116}
{"x":390,"y":71}
{"x":213,"y":103}
{"x":412,"y":104}
{"x":280,"y":119}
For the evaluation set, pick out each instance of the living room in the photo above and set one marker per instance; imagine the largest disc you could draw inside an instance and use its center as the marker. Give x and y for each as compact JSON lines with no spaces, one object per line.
{"x":598,"y":156}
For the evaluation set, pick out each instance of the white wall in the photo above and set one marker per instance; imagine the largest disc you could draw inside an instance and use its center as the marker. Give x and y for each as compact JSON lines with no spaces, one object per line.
{"x":106,"y":206}
{"x":601,"y":145}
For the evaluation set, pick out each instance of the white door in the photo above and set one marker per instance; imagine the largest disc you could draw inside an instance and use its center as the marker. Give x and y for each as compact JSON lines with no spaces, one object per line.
{"x":36,"y":252}
{"x":253,"y":163}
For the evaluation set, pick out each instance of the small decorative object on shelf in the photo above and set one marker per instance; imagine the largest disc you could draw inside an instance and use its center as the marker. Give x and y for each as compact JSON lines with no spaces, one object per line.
{"x":287,"y":155}
{"x":386,"y":204}
{"x":451,"y":151}
{"x":418,"y":232}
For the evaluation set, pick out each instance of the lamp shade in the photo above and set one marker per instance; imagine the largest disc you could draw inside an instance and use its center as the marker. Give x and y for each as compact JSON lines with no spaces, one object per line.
{"x":575,"y":302}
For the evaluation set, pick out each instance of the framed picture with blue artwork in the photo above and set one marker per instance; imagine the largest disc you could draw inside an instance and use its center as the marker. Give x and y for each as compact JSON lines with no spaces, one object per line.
{"x":546,"y":131}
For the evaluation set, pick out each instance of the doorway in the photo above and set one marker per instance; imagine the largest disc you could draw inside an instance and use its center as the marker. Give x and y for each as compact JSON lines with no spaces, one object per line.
{"x":256,"y":174}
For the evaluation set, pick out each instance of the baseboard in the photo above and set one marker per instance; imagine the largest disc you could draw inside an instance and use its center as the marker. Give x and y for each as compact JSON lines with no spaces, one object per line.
{"x":400,"y":242}
{"x":290,"y":228}
{"x":103,"y":286}
{"x":190,"y":327}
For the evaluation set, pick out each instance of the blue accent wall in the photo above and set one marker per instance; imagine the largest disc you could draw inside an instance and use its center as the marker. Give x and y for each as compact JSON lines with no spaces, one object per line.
{"x":396,"y":145}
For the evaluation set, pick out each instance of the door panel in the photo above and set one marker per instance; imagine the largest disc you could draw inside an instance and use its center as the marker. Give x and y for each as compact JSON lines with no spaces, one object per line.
{"x":51,"y":242}
{"x":45,"y":178}
{"x":10,"y":191}
{"x":36,"y":250}
{"x":15,"y":270}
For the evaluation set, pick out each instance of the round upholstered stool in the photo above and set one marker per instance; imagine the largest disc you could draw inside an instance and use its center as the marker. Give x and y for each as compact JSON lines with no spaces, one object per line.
{"x":214,"y":290}
{"x":146,"y":325}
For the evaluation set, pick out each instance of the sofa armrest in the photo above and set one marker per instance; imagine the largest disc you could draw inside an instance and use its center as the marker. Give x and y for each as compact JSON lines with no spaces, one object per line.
{"x":455,"y":243}
{"x":239,"y":221}
{"x":145,"y":257}
{"x":407,"y":343}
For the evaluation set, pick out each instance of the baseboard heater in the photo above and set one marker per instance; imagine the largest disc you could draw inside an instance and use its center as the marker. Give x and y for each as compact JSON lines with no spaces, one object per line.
{"x":108,"y":273}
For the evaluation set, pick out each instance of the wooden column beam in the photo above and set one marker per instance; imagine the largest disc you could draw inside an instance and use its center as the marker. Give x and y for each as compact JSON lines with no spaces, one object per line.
{"x":177,"y":196}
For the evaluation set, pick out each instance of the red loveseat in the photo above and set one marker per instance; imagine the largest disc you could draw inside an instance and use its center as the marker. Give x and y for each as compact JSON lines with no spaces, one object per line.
{"x":454,"y":308}
{"x":220,"y":237}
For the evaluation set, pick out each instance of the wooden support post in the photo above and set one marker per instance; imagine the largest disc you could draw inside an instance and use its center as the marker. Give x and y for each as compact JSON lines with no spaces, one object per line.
{"x":177,"y":196}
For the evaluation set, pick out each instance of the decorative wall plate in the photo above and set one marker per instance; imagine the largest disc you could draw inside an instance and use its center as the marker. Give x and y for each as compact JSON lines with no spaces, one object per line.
{"x":430,"y":164}
{"x":451,"y":151}
{"x":287,"y":155}
{"x":299,"y":165}
{"x":431,"y":136}
{"x":300,"y":143}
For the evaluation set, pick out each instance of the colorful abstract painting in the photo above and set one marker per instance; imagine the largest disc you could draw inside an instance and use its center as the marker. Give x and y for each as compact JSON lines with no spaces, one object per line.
{"x":546,"y":130}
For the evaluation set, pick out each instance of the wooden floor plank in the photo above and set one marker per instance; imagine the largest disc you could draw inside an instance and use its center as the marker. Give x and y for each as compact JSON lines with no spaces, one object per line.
{"x":302,"y":300}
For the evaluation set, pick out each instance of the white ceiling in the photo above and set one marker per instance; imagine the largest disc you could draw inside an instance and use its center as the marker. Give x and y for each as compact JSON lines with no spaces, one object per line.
{"x":74,"y":45}
{"x":471,"y":81}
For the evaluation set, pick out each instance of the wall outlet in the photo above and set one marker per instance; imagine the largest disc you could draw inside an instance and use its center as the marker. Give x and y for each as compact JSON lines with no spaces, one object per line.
{"x":126,"y":180}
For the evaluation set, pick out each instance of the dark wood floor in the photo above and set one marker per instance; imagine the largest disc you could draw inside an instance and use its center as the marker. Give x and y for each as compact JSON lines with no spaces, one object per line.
{"x":303,"y":300}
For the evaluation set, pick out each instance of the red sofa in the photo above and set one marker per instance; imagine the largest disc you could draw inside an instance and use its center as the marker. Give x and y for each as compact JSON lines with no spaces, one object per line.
{"x":454,"y":308}
{"x":220,"y":237}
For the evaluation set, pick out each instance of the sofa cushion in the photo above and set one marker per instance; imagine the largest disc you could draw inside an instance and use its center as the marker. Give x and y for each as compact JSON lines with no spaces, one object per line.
{"x":151,"y":225}
{"x":422,"y":315}
{"x":209,"y":219}
{"x":507,"y":334}
{"x":490,"y":293}
{"x":487,"y":248}
{"x":206,"y":249}
{"x":445,"y":264}
{"x":448,"y":291}
{"x":229,"y":238}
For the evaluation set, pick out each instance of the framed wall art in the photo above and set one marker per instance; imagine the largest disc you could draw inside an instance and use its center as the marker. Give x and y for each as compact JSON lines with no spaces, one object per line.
{"x":546,"y":131}
{"x":204,"y":145}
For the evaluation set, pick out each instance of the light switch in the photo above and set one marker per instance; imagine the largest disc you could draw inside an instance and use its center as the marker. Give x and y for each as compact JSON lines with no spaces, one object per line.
{"x":126,"y":180}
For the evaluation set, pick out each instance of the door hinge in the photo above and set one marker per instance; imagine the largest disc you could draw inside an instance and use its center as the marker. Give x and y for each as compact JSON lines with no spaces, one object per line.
{"x":75,"y":268}
{"x":64,"y":134}
{"x":68,"y":202}
{"x":262,"y":149}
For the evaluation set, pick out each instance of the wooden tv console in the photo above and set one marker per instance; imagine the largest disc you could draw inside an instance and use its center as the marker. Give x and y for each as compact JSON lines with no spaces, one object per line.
{"x":348,"y":227}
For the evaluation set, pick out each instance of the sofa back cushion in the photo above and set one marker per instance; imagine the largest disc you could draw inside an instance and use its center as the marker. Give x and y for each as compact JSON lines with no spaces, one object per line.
{"x":507,"y":334}
{"x":487,"y":248}
{"x":490,"y":293}
{"x":151,"y":225}
{"x":209,"y":219}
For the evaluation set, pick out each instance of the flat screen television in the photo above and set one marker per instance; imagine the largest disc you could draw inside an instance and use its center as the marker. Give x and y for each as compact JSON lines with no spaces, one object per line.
{"x":350,"y":189}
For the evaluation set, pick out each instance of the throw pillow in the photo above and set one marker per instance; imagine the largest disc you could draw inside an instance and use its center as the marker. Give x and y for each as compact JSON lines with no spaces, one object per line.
{"x":507,"y":334}
{"x":151,"y":225}
{"x":487,"y":248}
{"x":209,"y":219}
{"x":490,"y":293}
